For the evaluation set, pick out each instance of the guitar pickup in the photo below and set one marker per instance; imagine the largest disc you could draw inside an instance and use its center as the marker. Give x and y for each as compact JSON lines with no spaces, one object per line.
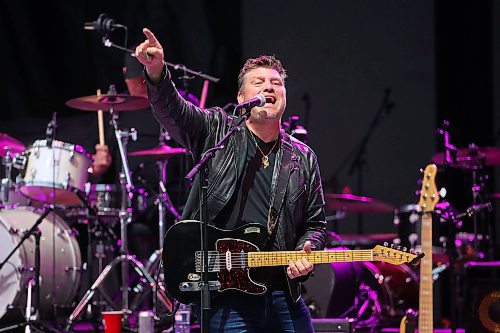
{"x":213,"y":262}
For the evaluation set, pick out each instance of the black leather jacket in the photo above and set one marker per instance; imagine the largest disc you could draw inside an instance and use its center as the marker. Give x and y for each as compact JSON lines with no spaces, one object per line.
{"x":301,"y":215}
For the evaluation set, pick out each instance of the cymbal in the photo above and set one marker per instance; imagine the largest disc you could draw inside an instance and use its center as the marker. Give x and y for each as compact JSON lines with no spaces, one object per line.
{"x":472,"y":157}
{"x":120,"y":102}
{"x":335,"y":240}
{"x":9,"y":143}
{"x":356,"y":204}
{"x":159,"y":152}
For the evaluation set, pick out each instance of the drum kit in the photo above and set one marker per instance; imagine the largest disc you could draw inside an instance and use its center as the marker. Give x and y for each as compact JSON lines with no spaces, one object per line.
{"x":41,"y":260}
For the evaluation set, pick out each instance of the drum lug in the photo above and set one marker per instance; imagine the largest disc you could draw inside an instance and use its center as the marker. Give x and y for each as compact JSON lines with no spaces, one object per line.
{"x":13,"y":230}
{"x":66,"y":181}
{"x":37,"y":152}
{"x":74,"y":268}
{"x":72,"y":153}
{"x":33,"y":173}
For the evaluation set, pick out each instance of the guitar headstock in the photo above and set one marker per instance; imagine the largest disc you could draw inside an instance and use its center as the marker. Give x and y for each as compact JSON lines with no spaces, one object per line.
{"x":395,"y":255}
{"x":429,"y":195}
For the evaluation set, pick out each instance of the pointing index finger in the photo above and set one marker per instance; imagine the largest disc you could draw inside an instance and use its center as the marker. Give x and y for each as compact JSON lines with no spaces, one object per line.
{"x":151,"y":37}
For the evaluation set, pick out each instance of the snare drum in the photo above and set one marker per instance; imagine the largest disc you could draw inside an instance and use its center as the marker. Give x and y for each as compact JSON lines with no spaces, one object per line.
{"x":55,"y":173}
{"x":60,"y":260}
{"x":107,"y":198}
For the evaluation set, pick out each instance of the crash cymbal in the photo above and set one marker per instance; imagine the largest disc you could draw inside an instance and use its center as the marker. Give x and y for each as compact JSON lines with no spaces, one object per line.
{"x":472,"y":158}
{"x":356,"y":204}
{"x":159,"y":152}
{"x":105,"y":102}
{"x":8,"y":143}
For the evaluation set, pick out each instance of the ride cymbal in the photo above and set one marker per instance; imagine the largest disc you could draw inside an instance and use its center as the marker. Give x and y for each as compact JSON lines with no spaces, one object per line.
{"x":120,"y":102}
{"x":159,"y":152}
{"x":356,"y":204}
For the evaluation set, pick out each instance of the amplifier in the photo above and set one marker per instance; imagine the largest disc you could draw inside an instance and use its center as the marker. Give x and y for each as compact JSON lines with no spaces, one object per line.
{"x":333,"y":325}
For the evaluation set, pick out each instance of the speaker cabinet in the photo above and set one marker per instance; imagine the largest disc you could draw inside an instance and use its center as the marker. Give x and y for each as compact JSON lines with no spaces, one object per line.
{"x":482,"y":297}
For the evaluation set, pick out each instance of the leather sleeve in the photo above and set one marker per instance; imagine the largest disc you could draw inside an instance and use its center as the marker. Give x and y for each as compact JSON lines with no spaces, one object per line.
{"x":314,"y":226}
{"x":188,"y":124}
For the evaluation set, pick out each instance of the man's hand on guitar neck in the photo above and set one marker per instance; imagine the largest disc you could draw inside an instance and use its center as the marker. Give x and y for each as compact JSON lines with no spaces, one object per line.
{"x":300,"y":267}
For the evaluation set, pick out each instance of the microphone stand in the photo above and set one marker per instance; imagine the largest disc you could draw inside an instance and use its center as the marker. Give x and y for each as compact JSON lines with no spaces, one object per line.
{"x":360,"y":161}
{"x":35,"y":281}
{"x":202,"y":168}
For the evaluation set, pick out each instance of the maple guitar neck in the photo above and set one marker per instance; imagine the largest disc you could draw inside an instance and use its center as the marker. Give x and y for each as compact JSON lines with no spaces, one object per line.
{"x":282,"y":258}
{"x":428,"y":199}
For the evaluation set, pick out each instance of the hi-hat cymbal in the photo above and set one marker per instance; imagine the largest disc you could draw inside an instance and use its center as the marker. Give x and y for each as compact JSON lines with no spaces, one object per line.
{"x":105,"y":102}
{"x":8,"y":143}
{"x":159,"y":152}
{"x":356,"y":204}
{"x":472,"y":157}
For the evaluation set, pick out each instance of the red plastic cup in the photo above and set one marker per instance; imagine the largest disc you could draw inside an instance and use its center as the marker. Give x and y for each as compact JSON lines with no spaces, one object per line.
{"x":112,"y":321}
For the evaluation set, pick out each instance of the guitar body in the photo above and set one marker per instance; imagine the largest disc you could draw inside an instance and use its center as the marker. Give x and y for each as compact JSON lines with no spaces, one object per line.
{"x":181,"y":243}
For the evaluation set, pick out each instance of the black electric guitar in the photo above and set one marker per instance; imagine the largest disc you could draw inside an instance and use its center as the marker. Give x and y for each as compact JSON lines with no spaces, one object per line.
{"x":232,"y":253}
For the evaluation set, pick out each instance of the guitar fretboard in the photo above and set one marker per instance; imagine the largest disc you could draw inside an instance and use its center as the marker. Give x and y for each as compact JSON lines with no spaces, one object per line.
{"x":426,"y":318}
{"x":282,"y":258}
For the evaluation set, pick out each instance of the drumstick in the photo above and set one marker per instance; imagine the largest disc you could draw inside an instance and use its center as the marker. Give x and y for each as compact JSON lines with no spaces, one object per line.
{"x":100,"y":122}
{"x":204,"y":93}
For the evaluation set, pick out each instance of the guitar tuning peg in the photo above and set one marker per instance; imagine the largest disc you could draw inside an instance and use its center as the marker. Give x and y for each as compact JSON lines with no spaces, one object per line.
{"x":421,"y":170}
{"x":412,"y":251}
{"x":398,"y":247}
{"x":405,"y":249}
{"x":386,"y":244}
{"x":392,"y":246}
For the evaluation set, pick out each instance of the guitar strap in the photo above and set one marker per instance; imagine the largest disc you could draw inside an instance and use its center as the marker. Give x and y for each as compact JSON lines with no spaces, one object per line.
{"x":284,"y":172}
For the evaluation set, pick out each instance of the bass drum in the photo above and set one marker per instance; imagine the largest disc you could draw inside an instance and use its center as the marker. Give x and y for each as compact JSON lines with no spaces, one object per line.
{"x":375,"y":293}
{"x":60,"y":261}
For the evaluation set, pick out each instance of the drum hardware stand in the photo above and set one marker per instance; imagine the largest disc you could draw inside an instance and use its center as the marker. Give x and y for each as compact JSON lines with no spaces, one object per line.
{"x":164,"y":203}
{"x":125,"y":215}
{"x":99,"y":253}
{"x":34,"y":282}
{"x":7,"y":162}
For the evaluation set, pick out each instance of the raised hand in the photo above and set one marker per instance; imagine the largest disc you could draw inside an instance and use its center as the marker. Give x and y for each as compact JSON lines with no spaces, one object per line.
{"x":150,"y":54}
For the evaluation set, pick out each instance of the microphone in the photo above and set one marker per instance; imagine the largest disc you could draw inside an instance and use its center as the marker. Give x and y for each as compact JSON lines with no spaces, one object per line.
{"x":258,"y":100}
{"x":104,"y":25}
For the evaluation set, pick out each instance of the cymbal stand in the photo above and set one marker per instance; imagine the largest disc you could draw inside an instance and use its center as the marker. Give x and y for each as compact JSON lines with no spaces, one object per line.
{"x":125,"y":215}
{"x":164,"y":202}
{"x":6,"y":183}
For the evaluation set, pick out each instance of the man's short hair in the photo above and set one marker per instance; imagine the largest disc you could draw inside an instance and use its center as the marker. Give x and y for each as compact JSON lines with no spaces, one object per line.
{"x":267,"y":61}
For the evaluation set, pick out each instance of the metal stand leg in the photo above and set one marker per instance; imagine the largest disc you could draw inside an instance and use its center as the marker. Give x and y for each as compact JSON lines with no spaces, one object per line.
{"x":139,"y":268}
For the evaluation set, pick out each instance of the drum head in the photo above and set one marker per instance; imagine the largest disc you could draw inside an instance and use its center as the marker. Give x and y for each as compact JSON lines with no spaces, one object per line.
{"x":60,"y":260}
{"x":9,"y":275}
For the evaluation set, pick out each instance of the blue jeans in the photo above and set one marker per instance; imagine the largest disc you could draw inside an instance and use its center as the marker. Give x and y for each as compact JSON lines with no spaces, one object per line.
{"x":272,"y":312}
